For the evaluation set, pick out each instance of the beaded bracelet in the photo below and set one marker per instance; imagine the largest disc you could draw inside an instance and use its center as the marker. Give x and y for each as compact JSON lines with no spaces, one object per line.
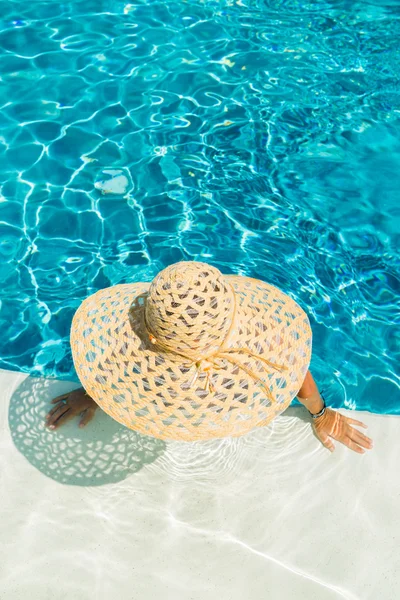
{"x":321,"y":412}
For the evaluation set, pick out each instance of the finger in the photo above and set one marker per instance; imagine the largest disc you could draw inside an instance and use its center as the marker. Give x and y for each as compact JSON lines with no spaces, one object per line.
{"x":355,"y":422}
{"x":62,"y":397}
{"x":361,"y":439}
{"x":87,"y":416}
{"x":57,"y":414}
{"x":54,"y":410}
{"x":353,"y":446}
{"x":326,"y":441}
{"x":59,"y":410}
{"x":62,"y":419}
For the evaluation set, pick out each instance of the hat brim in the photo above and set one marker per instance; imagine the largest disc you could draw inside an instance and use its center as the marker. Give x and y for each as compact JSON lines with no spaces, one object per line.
{"x":161,"y":394}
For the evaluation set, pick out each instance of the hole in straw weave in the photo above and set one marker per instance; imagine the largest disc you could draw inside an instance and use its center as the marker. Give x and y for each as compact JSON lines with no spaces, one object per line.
{"x":194,"y":405}
{"x":172,"y":393}
{"x":200,"y":301}
{"x":124,"y":349}
{"x":259,"y":349}
{"x":276,"y":318}
{"x":182,"y":318}
{"x":119,"y":398}
{"x":145,"y":383}
{"x":227,"y":383}
{"x":290,"y":316}
{"x":214,"y":302}
{"x":142,"y":412}
{"x":281,"y":383}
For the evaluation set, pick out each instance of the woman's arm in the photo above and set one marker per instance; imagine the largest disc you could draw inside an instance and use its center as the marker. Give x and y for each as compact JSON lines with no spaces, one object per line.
{"x":332,"y":425}
{"x":310,"y":396}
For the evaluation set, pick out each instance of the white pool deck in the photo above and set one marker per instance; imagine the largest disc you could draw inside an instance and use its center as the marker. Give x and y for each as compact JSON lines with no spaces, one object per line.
{"x":103,"y":514}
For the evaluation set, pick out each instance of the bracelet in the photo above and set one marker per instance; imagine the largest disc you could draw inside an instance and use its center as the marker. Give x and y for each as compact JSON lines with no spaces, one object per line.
{"x":321,"y":412}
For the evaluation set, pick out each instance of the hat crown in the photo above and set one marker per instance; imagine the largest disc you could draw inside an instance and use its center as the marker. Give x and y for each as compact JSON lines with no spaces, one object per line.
{"x":189,"y":308}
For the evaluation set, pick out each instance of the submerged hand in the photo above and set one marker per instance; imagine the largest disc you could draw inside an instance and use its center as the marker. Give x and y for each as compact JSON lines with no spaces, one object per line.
{"x":333,"y":424}
{"x":70,"y":405}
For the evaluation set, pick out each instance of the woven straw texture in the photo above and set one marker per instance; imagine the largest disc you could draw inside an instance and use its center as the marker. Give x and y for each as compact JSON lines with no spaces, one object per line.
{"x":194,"y":355}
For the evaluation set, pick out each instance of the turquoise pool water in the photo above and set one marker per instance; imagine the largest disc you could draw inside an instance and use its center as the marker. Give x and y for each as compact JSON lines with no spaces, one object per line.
{"x":263,"y":137}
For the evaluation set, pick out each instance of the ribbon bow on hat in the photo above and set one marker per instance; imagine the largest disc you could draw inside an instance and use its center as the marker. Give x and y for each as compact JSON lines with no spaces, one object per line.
{"x":206,"y":364}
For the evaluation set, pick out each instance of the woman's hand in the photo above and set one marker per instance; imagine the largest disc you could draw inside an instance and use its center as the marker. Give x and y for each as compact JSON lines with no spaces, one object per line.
{"x":70,"y":405}
{"x":333,"y":424}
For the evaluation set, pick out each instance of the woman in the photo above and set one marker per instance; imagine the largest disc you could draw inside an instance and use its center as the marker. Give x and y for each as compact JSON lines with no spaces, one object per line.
{"x":196,"y":355}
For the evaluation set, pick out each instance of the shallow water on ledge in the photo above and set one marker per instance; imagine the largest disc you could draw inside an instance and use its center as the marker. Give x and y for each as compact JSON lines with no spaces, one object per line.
{"x":262,"y":137}
{"x":106,"y":511}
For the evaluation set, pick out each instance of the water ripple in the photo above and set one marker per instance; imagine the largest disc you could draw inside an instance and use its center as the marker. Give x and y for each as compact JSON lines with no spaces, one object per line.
{"x":262,"y":137}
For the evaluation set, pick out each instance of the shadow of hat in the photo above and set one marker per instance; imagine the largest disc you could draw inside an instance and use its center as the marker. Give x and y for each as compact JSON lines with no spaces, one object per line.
{"x":102,"y":452}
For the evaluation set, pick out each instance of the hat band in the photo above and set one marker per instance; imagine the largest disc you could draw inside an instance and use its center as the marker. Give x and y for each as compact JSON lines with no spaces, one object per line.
{"x":221,"y":353}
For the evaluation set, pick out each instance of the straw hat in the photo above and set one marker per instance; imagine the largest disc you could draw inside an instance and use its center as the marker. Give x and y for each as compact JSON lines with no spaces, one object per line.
{"x":194,"y":355}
